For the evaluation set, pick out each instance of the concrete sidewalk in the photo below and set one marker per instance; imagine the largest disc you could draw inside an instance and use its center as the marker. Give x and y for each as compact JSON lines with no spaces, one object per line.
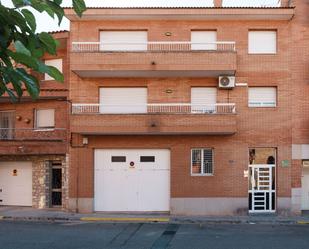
{"x":27,"y":213}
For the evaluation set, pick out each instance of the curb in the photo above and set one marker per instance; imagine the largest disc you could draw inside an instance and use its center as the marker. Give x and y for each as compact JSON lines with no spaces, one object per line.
{"x":156,"y":220}
{"x":129,"y":219}
{"x":49,"y":219}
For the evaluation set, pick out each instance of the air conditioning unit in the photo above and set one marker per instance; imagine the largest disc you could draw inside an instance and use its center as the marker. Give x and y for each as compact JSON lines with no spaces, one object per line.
{"x":227,"y":82}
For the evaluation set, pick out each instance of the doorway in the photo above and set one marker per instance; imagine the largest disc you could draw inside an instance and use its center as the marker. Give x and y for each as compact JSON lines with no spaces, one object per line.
{"x":262,"y":180}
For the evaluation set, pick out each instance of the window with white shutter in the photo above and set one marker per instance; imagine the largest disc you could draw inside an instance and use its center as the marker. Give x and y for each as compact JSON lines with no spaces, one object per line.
{"x":204,"y":40}
{"x":203,"y":99}
{"x":45,"y":118}
{"x":123,"y":100}
{"x":202,"y":162}
{"x":57,"y":63}
{"x":262,"y":42}
{"x":262,"y":97}
{"x":123,"y":40}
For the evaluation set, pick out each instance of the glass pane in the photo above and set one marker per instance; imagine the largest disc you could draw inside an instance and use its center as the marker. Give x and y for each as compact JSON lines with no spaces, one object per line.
{"x":196,"y":161}
{"x":56,"y":178}
{"x":56,"y":198}
{"x":207,"y":161}
{"x":262,"y":156}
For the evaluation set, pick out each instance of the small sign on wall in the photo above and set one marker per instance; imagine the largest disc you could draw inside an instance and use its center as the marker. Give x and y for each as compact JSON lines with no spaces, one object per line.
{"x":285,"y":163}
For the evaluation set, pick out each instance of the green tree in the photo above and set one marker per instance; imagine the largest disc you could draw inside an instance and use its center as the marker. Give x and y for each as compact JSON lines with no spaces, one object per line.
{"x":21,"y":47}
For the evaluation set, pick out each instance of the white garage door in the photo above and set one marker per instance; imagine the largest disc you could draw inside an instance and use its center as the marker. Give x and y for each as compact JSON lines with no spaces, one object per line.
{"x":132,"y":180}
{"x":16,"y":183}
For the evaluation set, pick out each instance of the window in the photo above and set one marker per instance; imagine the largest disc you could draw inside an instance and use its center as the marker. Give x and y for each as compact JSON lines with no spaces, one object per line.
{"x":147,"y":159}
{"x":57,"y":63}
{"x":204,"y":40}
{"x":203,"y":99}
{"x":262,"y":96}
{"x":202,"y":162}
{"x":123,"y":100}
{"x":45,"y":119}
{"x":7,"y":124}
{"x":118,"y":159}
{"x":123,"y":40}
{"x":262,"y":42}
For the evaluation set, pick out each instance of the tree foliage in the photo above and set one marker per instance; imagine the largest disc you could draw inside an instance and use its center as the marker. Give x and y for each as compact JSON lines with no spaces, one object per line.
{"x":21,"y":48}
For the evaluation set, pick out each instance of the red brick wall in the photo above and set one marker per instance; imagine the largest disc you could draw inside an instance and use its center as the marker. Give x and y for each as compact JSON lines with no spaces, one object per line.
{"x":256,"y":127}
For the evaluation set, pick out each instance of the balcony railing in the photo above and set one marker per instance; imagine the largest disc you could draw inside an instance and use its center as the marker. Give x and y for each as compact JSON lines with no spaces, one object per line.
{"x":165,"y":108}
{"x":157,"y":46}
{"x":32,"y":134}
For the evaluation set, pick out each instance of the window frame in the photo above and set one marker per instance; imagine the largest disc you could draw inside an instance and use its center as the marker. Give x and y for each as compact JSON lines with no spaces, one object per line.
{"x":202,"y":162}
{"x":263,"y":105}
{"x":263,"y":53}
{"x":36,"y":128}
{"x":215,"y":45}
{"x":46,"y":76}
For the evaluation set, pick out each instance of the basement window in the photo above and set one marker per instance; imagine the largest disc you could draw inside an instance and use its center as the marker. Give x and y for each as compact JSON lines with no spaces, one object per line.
{"x":202,"y":162}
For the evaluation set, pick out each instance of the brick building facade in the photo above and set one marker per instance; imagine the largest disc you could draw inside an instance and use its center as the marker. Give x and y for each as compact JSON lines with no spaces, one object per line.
{"x":151,"y":129}
{"x":34,"y":144}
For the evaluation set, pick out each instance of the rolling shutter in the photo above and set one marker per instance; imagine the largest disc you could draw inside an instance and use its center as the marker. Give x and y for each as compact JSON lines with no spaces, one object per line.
{"x":200,"y":39}
{"x":262,"y":42}
{"x":123,"y":100}
{"x":203,"y":99}
{"x":262,"y":96}
{"x":45,"y":118}
{"x":123,"y":40}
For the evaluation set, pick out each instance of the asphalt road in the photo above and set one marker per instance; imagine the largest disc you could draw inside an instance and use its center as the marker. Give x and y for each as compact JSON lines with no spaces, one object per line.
{"x":81,"y":235}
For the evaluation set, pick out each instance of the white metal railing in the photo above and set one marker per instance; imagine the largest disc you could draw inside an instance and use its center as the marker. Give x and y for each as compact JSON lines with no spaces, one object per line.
{"x":157,"y":46}
{"x":167,"y":108}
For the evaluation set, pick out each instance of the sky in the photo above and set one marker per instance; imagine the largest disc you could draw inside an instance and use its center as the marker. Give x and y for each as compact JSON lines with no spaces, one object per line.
{"x":46,"y":23}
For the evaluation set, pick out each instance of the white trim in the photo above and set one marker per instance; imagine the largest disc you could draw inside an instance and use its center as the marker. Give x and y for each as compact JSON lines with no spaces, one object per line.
{"x":202,"y":162}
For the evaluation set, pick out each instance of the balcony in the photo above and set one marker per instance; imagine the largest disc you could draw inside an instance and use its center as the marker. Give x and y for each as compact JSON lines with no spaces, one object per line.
{"x":12,"y":134}
{"x":154,"y":119}
{"x":153,"y":59}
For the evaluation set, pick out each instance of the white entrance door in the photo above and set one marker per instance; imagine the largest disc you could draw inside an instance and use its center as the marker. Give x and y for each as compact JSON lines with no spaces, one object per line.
{"x":132,"y":180}
{"x":262,"y":188}
{"x":305,"y":190}
{"x":16,"y":183}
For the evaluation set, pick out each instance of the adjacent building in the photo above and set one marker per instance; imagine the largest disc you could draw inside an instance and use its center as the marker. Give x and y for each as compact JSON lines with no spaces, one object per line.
{"x":34,"y":138}
{"x":191,"y":111}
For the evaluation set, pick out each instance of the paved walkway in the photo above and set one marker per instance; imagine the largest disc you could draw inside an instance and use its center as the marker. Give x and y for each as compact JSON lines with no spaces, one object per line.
{"x":27,"y":213}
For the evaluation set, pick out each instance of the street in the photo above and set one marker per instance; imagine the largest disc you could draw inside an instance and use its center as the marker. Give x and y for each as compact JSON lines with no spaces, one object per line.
{"x":82,"y":235}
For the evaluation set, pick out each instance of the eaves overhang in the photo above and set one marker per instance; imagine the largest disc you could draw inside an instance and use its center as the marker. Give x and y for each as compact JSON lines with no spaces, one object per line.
{"x":223,"y":13}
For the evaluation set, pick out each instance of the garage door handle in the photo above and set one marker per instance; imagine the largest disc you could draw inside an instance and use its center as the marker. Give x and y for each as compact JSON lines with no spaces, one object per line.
{"x":0,"y":190}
